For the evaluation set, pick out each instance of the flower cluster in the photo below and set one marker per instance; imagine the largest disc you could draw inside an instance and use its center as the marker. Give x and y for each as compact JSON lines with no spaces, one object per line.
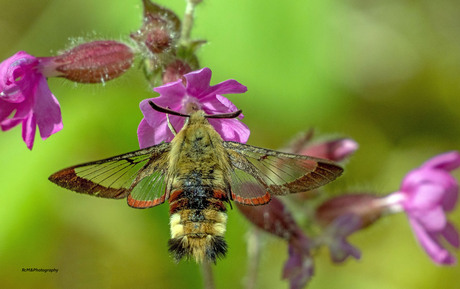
{"x":26,"y":99}
{"x":426,"y":195}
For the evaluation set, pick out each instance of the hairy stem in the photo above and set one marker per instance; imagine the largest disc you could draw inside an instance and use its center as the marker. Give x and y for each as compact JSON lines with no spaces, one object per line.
{"x":208,"y":278}
{"x":187,"y":23}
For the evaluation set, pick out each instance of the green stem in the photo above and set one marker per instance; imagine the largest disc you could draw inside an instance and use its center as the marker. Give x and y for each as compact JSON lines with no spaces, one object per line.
{"x":254,"y":254}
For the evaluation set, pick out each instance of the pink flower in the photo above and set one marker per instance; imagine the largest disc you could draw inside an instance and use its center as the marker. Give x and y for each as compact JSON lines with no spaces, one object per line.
{"x":24,"y":91}
{"x":426,"y":194}
{"x":197,"y":93}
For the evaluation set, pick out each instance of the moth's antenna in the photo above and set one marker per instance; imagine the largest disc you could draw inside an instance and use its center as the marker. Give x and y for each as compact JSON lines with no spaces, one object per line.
{"x":172,"y":112}
{"x":166,"y":110}
{"x":225,"y":115}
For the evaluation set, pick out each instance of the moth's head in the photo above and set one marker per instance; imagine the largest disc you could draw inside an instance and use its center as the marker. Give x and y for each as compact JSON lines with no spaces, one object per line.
{"x":196,"y":113}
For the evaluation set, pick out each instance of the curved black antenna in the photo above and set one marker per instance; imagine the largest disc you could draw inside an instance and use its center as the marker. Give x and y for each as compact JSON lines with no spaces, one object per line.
{"x":225,"y":115}
{"x":166,"y":110}
{"x":172,"y":112}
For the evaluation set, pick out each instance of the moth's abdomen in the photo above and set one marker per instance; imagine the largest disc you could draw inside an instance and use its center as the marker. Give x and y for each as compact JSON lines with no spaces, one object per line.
{"x":198,"y":224}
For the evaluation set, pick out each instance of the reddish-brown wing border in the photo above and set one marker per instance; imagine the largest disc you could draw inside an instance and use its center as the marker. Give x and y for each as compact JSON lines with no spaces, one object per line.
{"x":113,"y":177}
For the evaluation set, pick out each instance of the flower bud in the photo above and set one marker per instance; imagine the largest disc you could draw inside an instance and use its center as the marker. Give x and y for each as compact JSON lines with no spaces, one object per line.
{"x":160,"y":29}
{"x":273,"y":218}
{"x":91,"y":62}
{"x":175,"y":71}
{"x":334,"y":150}
{"x":367,"y":208}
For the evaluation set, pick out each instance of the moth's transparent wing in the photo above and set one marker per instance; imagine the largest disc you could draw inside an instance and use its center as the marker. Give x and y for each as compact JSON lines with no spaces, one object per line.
{"x":276,"y":173}
{"x":138,"y":175}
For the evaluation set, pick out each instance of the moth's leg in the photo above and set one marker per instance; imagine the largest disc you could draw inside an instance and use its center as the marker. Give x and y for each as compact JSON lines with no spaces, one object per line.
{"x":171,"y":128}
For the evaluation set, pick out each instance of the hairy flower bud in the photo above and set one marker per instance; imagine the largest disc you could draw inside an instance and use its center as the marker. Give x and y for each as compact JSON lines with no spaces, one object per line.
{"x":91,"y":62}
{"x":160,"y":29}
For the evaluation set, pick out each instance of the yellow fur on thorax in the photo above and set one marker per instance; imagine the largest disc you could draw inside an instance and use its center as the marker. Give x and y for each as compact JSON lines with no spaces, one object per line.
{"x":183,"y":159}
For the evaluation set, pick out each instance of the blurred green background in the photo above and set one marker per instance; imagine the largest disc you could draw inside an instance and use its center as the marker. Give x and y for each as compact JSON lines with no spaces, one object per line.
{"x":385,"y":73}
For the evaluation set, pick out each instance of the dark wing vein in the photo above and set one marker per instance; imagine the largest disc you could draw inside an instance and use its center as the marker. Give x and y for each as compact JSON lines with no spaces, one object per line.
{"x":115,"y":177}
{"x":281,"y":173}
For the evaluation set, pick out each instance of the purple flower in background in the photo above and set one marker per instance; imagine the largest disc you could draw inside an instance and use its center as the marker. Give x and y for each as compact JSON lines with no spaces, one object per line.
{"x":277,"y":220}
{"x":335,"y":237}
{"x":343,"y":215}
{"x":196,"y":94}
{"x":24,"y":92}
{"x":426,"y":194}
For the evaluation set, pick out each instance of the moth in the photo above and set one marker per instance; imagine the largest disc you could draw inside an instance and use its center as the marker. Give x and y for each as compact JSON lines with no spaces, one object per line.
{"x":199,"y":174}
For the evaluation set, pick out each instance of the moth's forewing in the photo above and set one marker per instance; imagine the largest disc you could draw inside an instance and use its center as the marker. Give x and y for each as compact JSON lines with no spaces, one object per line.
{"x":118,"y":176}
{"x":274,"y":172}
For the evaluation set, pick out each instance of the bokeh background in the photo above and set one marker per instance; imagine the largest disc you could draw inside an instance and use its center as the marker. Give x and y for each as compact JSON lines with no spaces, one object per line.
{"x":385,"y":73}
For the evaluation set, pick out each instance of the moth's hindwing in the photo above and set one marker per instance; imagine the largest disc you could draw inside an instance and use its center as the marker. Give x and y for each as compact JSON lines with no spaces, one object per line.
{"x":259,"y":172}
{"x":138,"y":175}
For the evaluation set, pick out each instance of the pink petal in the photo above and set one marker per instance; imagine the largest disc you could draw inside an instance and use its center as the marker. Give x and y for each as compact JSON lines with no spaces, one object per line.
{"x":425,"y":197}
{"x":6,"y":108}
{"x":423,"y":177}
{"x":153,"y":117}
{"x":227,"y":103}
{"x":433,"y":220}
{"x":451,"y":196}
{"x":215,"y":104}
{"x":212,"y":105}
{"x":431,"y":246}
{"x":447,"y":161}
{"x":198,"y":82}
{"x":28,"y":130}
{"x":47,"y":111}
{"x":226,"y":87}
{"x":149,"y":136}
{"x":231,"y":129}
{"x":23,"y":111}
{"x":17,"y":76}
{"x":173,"y":91}
{"x":451,"y":235}
{"x":8,"y":124}
{"x":145,"y":134}
{"x":420,"y":176}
